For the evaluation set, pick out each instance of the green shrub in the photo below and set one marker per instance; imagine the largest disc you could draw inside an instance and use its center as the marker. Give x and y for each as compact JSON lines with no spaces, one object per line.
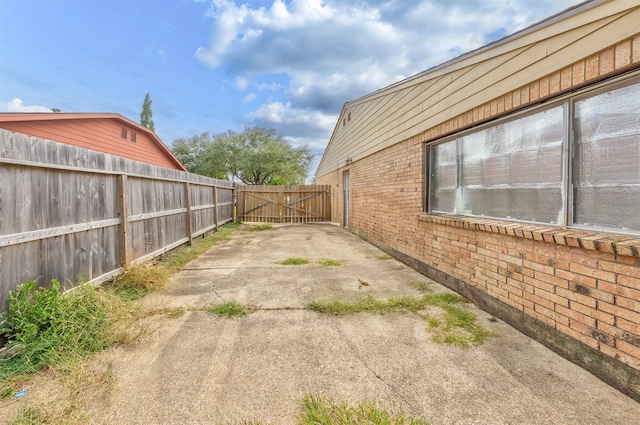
{"x":41,"y":323}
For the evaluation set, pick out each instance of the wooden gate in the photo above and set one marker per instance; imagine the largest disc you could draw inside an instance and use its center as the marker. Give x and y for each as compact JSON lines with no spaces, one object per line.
{"x":284,"y":204}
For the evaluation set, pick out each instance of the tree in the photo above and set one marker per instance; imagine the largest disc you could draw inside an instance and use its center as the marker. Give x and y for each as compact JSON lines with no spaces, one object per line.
{"x":259,"y":156}
{"x":255,"y":156}
{"x":201,"y":155}
{"x":146,"y":115}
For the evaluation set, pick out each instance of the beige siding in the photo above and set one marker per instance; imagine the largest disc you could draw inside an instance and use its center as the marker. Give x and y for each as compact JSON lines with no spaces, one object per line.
{"x":408,"y":108}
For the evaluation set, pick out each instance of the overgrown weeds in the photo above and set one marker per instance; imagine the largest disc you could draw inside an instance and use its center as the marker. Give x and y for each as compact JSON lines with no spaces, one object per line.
{"x":294,"y":261}
{"x":228,"y":309}
{"x":328,"y":262}
{"x":448,"y":323}
{"x":453,"y":325}
{"x":320,"y":410}
{"x":58,"y":333}
{"x":41,"y":323}
{"x":368,"y":304}
{"x":260,"y":227}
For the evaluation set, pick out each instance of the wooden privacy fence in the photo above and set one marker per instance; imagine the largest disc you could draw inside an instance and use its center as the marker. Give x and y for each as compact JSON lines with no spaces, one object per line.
{"x":284,"y":204}
{"x":69,"y":213}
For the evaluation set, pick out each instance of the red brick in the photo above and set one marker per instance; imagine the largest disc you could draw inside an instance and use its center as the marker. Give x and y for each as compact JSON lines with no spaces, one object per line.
{"x":516,"y":95}
{"x":575,"y":296}
{"x":629,"y":281}
{"x":529,"y":284}
{"x":632,"y":350}
{"x":629,"y":248}
{"x":546,"y":312}
{"x":538,"y":267}
{"x":508,"y":101}
{"x":576,"y":316}
{"x":566,"y":76}
{"x":623,"y":269}
{"x":534,"y":91}
{"x":607,"y":318}
{"x":593,"y":272}
{"x":607,"y":61}
{"x":628,"y":326}
{"x":628,"y":303}
{"x":554,"y":83}
{"x":589,"y":242}
{"x":588,"y":340}
{"x":623,"y":357}
{"x":631,"y":316}
{"x":623,"y":54}
{"x":578,"y":73}
{"x":525,"y":95}
{"x":579,"y":257}
{"x":556,"y":299}
{"x":616,"y":289}
{"x":552,"y":280}
{"x":535,"y":299}
{"x":592,"y":67}
{"x":578,"y":278}
{"x":544,"y":87}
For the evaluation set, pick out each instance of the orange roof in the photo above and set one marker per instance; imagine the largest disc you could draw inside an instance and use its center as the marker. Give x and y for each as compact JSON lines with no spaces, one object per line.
{"x":12,"y":117}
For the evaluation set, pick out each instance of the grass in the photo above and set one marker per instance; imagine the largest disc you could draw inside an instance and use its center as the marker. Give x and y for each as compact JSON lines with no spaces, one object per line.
{"x":328,"y":262}
{"x":454,"y":326}
{"x":448,"y":323}
{"x":368,"y":304}
{"x":421,"y":286}
{"x":320,"y":410}
{"x":54,"y":336}
{"x":260,"y":228}
{"x":141,"y":279}
{"x":41,"y":323}
{"x":384,"y":257}
{"x":294,"y":261}
{"x":228,"y":309}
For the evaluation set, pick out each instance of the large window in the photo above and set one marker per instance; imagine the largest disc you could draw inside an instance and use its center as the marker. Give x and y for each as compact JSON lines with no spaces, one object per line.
{"x":518,"y":168}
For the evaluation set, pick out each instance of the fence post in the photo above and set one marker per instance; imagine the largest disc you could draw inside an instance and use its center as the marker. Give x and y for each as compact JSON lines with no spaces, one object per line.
{"x":123,"y":230}
{"x":237,"y":197}
{"x":187,"y":203}
{"x":215,"y":206}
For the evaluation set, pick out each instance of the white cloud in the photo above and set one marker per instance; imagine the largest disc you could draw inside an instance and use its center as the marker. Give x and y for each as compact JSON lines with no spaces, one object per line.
{"x":241,"y":83}
{"x":17,"y":105}
{"x":333,"y":51}
{"x":302,"y":125}
{"x":250,"y":97}
{"x":273,"y":86}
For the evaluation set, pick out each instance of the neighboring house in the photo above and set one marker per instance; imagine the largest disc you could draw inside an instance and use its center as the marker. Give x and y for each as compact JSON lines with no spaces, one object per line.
{"x":511,"y":174}
{"x":108,"y":133}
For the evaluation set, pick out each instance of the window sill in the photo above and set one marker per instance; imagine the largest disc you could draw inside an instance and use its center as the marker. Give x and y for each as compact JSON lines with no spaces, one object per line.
{"x":593,"y":241}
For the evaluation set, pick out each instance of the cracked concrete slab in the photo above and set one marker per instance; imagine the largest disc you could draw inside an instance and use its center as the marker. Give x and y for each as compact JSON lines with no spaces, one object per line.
{"x":201,"y":369}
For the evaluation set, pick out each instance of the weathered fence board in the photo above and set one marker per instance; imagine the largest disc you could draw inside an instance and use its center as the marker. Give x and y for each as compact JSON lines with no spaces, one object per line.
{"x":284,"y":204}
{"x":69,"y":213}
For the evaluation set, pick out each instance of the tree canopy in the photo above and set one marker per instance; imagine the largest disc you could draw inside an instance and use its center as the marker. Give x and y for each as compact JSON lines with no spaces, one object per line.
{"x":255,"y":156}
{"x":146,"y":115}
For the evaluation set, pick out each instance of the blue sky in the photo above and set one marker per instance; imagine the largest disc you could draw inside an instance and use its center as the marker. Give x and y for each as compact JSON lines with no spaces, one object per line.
{"x":218,"y":65}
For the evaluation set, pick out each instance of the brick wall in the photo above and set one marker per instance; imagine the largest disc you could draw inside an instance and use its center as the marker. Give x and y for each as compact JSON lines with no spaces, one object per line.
{"x":560,"y":286}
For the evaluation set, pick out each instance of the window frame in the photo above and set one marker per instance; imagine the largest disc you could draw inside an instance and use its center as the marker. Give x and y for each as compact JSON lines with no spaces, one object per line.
{"x":567,"y":100}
